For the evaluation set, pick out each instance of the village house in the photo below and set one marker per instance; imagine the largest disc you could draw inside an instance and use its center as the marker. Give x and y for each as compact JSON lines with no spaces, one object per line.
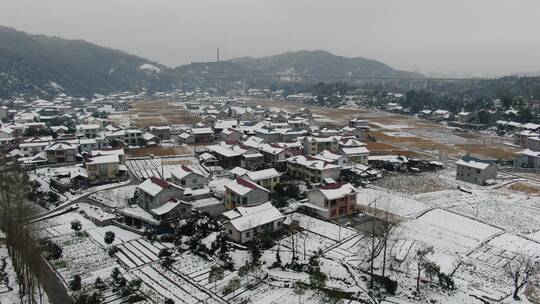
{"x":162,"y":132}
{"x":475,"y":171}
{"x":202,"y":135}
{"x":533,"y":143}
{"x":356,"y":154}
{"x":520,"y":138}
{"x":251,"y":159}
{"x":315,"y":145}
{"x":88,"y":131}
{"x":332,"y":200}
{"x":33,"y":147}
{"x":311,"y":169}
{"x":111,"y":151}
{"x":273,"y":154}
{"x":231,"y":135}
{"x":187,"y":177}
{"x":61,"y":152}
{"x":465,"y":117}
{"x":154,"y":192}
{"x":245,"y":223}
{"x":227,"y":158}
{"x":529,"y":159}
{"x":331,"y":158}
{"x":242,"y":192}
{"x":439,"y":115}
{"x":267,"y":178}
{"x":133,"y":137}
{"x":102,"y":168}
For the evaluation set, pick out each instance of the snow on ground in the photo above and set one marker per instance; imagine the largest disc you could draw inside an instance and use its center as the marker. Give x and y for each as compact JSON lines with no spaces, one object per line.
{"x":451,"y":235}
{"x":390,"y":201}
{"x":116,"y":198}
{"x":120,"y":235}
{"x":327,"y":229}
{"x":80,"y":255}
{"x":511,"y":211}
{"x":61,"y":224}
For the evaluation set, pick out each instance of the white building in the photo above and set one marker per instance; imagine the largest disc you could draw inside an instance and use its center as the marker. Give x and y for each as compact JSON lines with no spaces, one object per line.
{"x":248,"y":222}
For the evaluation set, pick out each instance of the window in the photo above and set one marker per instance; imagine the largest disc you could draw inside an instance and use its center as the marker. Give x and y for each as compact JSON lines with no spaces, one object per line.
{"x":230,"y":231}
{"x":244,"y":200}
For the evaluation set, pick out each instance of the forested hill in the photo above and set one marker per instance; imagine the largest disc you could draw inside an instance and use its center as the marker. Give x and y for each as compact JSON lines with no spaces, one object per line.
{"x":37,"y":65}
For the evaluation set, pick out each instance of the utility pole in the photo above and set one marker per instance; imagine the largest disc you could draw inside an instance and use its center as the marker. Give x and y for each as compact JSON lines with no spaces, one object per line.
{"x":217,"y":54}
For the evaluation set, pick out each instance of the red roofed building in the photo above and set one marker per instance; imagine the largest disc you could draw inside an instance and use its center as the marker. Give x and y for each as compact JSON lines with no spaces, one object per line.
{"x":333,"y":200}
{"x":242,"y":193}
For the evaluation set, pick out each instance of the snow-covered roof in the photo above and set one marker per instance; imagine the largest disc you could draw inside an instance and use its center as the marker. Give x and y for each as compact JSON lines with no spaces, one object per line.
{"x":262,"y":174}
{"x":473,"y":164}
{"x":355,"y":151}
{"x":88,"y":127}
{"x":271,"y":149}
{"x":104,"y":159}
{"x":166,"y":208}
{"x":223,"y":151}
{"x":182,"y":171}
{"x":239,"y":171}
{"x":337,"y":190}
{"x":137,"y":212}
{"x":311,"y":162}
{"x":106,"y":151}
{"x":206,"y":156}
{"x":529,"y":152}
{"x":531,"y":126}
{"x":328,"y":156}
{"x":153,"y":185}
{"x":243,"y":186}
{"x":245,"y":219}
{"x":320,"y":139}
{"x":60,"y":146}
{"x":199,"y":131}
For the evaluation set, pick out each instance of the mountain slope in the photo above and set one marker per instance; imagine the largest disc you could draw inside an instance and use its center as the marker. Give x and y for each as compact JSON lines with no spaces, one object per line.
{"x":318,"y":63}
{"x":37,"y":65}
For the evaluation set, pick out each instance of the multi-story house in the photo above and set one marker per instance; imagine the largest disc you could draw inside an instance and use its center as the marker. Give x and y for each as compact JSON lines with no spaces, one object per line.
{"x":312,"y":169}
{"x":61,"y":152}
{"x":267,"y":178}
{"x":315,"y":145}
{"x":242,"y":193}
{"x":187,"y":177}
{"x":474,"y":171}
{"x":102,"y":168}
{"x":88,"y":131}
{"x":245,"y":223}
{"x":332,"y":200}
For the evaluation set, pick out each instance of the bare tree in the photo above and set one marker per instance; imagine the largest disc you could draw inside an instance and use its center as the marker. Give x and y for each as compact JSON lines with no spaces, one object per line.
{"x":519,"y":270}
{"x":421,"y":263}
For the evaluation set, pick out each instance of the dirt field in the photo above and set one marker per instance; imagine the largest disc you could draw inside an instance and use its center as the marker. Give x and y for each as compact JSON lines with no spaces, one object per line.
{"x":525,"y":187}
{"x":155,"y":113}
{"x":413,"y":183}
{"x":489,"y":151}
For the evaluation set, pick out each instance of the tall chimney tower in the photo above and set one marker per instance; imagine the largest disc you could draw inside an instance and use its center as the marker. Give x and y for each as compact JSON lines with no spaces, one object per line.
{"x":217,"y":54}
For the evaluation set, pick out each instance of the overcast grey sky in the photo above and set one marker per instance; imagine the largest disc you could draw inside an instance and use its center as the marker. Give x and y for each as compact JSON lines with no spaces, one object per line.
{"x":464,"y":36}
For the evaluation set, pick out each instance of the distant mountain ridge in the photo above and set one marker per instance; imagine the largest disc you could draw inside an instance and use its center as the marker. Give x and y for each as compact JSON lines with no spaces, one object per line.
{"x":41,"y":66}
{"x":38,"y":65}
{"x":319,"y":63}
